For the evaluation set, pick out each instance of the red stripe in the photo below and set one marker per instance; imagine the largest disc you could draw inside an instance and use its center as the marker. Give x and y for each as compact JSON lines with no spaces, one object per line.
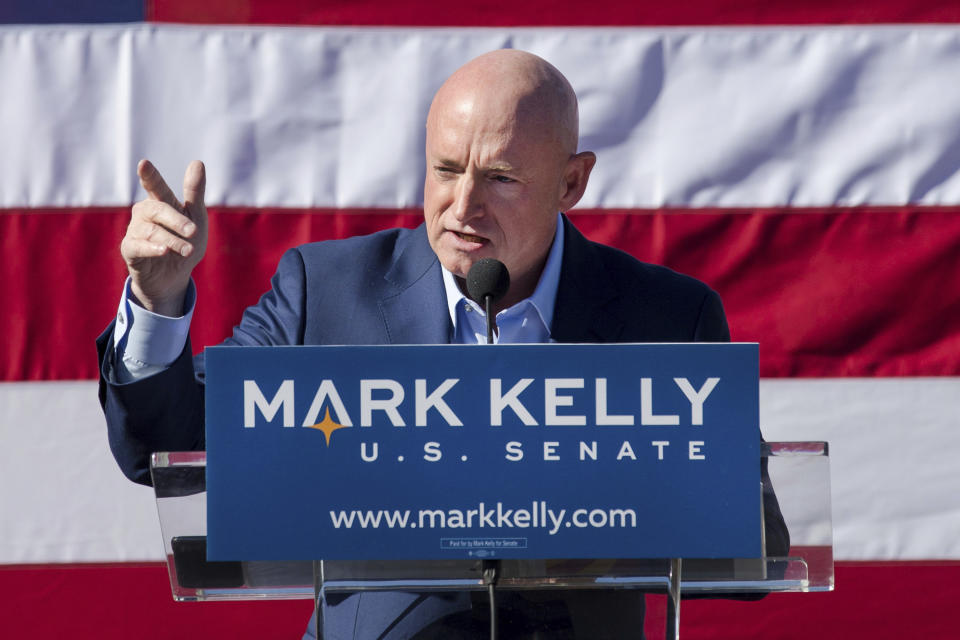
{"x":506,"y":13}
{"x":826,"y":292}
{"x":48,"y":602}
{"x":872,"y":600}
{"x":846,"y":292}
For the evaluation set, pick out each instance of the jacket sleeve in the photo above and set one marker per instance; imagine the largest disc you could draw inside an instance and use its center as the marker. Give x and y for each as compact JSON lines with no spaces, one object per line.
{"x":712,"y":322}
{"x":162,"y":412}
{"x":165,"y":411}
{"x":712,"y":327}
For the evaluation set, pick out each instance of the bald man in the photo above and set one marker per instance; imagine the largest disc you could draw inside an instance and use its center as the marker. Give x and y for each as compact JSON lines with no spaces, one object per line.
{"x":502,"y":167}
{"x":501,"y":164}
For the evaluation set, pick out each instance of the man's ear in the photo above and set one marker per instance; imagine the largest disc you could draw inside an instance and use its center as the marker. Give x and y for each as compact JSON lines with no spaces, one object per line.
{"x":575,"y":176}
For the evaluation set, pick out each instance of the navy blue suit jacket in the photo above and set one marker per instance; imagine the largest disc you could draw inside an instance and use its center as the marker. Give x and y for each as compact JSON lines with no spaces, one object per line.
{"x":387,"y":288}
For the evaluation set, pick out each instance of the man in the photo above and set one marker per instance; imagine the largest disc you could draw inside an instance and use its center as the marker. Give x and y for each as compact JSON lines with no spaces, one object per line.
{"x":502,"y":166}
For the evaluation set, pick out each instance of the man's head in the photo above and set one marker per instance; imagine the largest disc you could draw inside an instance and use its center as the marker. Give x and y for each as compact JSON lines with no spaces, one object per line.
{"x":501,"y":162}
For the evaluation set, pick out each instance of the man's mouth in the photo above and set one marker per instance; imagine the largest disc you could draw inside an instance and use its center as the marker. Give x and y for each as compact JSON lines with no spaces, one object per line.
{"x":469,"y":237}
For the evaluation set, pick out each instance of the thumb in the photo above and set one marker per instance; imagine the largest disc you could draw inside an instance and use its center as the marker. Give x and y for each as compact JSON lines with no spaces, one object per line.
{"x":194,"y":183}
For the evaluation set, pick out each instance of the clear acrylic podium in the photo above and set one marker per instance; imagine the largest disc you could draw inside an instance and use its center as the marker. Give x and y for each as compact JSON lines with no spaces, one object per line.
{"x":799,"y":472}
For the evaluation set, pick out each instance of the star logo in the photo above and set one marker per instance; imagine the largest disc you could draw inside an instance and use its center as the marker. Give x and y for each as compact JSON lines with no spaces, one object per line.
{"x":327,"y":426}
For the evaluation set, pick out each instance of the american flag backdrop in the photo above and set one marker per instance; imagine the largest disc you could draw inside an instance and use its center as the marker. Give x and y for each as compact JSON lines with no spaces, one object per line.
{"x":802,"y":158}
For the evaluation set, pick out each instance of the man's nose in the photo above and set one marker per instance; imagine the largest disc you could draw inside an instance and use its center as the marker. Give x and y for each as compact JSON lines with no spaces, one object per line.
{"x":468,"y":198}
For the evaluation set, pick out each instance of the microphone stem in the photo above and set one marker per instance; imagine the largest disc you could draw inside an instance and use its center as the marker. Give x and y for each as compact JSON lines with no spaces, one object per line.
{"x":491,"y":568}
{"x":488,"y":303}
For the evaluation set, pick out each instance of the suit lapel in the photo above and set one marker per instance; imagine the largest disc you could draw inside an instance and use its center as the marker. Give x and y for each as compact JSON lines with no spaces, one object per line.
{"x":414,"y":310}
{"x":585,"y":293}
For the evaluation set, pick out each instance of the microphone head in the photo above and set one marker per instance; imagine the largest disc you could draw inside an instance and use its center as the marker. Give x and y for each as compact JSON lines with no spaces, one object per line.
{"x":488,"y":277}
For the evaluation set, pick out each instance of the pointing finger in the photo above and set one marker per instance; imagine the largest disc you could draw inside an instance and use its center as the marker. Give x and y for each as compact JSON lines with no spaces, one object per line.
{"x":154,"y":184}
{"x":194,"y":183}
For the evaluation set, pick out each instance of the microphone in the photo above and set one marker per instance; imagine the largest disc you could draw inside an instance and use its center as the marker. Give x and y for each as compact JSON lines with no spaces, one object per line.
{"x":487,"y":281}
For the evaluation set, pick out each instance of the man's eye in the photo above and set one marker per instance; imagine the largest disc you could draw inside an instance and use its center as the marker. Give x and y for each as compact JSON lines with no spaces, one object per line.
{"x":504,"y":179}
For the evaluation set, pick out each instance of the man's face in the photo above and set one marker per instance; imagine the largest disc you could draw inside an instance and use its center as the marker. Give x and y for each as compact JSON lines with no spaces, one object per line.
{"x":493,"y":189}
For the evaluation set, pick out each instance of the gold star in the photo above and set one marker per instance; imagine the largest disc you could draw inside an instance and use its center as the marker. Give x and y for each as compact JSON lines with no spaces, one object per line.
{"x":327,"y":426}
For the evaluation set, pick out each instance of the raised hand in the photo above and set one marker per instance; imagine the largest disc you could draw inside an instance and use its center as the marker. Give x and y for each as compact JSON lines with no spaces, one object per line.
{"x":165,"y":239}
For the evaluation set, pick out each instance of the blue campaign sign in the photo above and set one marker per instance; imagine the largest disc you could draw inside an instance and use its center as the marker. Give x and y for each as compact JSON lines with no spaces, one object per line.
{"x":507,"y":451}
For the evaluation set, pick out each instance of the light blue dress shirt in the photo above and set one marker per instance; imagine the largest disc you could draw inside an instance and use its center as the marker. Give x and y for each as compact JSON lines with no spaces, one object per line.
{"x":529,"y":320}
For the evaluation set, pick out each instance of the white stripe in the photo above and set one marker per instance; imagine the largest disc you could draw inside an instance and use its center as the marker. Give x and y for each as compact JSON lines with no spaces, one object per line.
{"x":62,"y":497}
{"x":299,"y":117}
{"x":893,"y":446}
{"x":893,"y":463}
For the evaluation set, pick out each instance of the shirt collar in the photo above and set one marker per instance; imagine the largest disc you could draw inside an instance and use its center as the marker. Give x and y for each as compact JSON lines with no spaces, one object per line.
{"x":544,"y":296}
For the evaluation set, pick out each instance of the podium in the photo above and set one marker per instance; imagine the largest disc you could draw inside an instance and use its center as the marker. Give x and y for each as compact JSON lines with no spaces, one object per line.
{"x":799,"y":472}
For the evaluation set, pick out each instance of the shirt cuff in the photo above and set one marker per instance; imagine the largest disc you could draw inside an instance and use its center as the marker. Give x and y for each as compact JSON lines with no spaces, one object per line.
{"x":148,"y":342}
